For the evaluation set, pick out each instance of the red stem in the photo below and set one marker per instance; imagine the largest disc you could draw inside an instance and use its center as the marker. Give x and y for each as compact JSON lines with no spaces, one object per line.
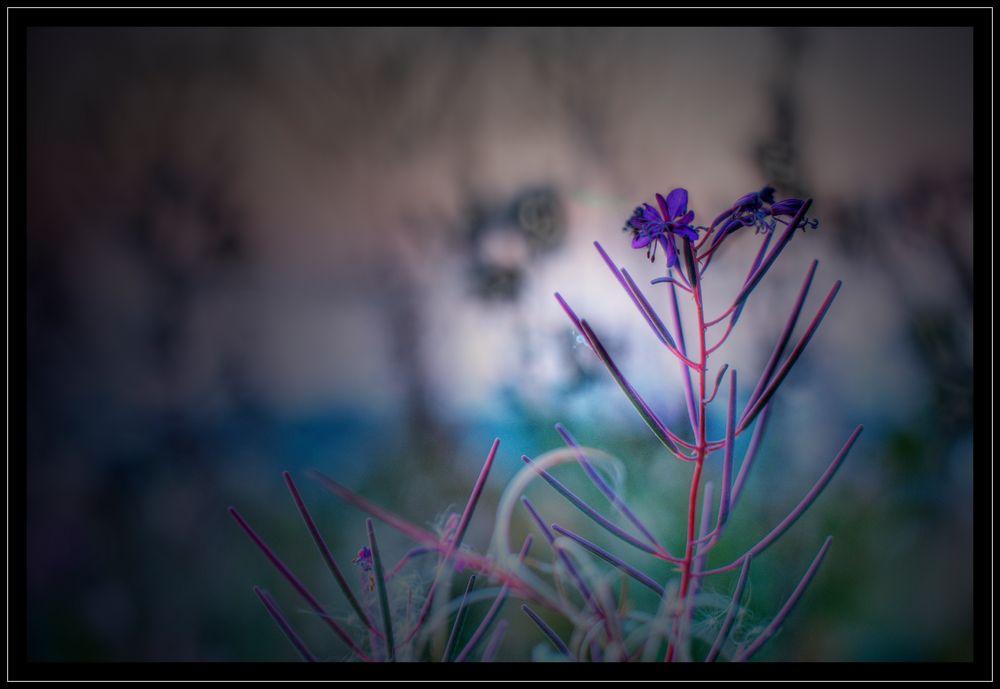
{"x":702,"y":451}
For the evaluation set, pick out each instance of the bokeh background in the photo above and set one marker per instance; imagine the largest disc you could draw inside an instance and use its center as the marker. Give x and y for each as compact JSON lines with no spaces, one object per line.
{"x":256,"y":250}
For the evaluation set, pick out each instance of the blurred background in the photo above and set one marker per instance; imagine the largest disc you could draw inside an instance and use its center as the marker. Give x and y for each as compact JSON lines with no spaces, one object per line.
{"x":257,"y":250}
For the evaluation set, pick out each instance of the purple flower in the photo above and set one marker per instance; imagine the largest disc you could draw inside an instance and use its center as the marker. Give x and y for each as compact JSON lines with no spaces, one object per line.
{"x":757,"y":209}
{"x":367,"y":564}
{"x":364,"y":559}
{"x":649,"y":225}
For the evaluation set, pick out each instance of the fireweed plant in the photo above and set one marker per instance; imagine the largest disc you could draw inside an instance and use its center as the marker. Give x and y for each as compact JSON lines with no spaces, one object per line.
{"x":406,"y":613}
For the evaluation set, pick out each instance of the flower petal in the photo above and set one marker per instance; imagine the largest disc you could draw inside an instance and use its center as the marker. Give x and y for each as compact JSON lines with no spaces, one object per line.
{"x":641,"y":240}
{"x":734,"y":224}
{"x":688,"y":232}
{"x":722,"y":216}
{"x":677,"y":203}
{"x":786,"y":207}
{"x":662,"y":203}
{"x":686,"y":220}
{"x":751,"y":200}
{"x":668,"y":245}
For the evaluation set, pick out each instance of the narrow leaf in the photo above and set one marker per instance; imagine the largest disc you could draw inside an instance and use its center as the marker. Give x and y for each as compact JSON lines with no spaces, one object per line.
{"x":654,"y":423}
{"x":574,"y":574}
{"x":685,"y":372}
{"x":772,"y":387}
{"x":782,"y":615}
{"x":383,"y":594}
{"x":734,"y":607}
{"x":761,"y":252}
{"x":755,"y":442}
{"x":477,"y":491}
{"x":608,"y":557}
{"x":800,"y":509}
{"x":718,"y":379}
{"x":638,"y":299}
{"x":456,"y":628}
{"x":494,"y":609}
{"x":460,"y":530}
{"x":494,"y":643}
{"x":297,"y":585}
{"x":325,"y":551}
{"x":786,"y":237}
{"x":597,"y":517}
{"x":727,"y":462}
{"x":286,"y":627}
{"x":647,"y":414}
{"x":698,"y":563}
{"x":782,"y":343}
{"x":547,"y":630}
{"x":602,"y":485}
{"x":658,"y":324}
{"x":689,"y":262}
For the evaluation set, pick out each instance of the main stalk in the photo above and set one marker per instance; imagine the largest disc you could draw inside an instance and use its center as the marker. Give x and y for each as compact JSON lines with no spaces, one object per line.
{"x":701,"y":441}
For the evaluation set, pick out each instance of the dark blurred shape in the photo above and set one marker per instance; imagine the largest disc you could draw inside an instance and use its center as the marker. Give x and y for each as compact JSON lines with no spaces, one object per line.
{"x":777,"y":154}
{"x":504,"y":238}
{"x":925,"y":219}
{"x":184,"y":234}
{"x":917,"y":238}
{"x":539,"y":216}
{"x":426,"y":433}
